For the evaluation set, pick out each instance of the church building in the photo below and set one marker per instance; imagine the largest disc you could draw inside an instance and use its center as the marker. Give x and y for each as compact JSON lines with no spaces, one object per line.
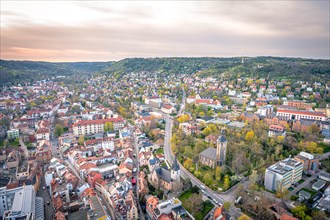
{"x":213,"y":157}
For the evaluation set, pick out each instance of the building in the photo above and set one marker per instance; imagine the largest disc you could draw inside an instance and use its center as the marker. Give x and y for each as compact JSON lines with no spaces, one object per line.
{"x":168,"y":109}
{"x":168,"y":179}
{"x":308,"y":160}
{"x":298,"y":114}
{"x":42,"y":134}
{"x":89,"y":127}
{"x":188,"y":128}
{"x":163,"y":209}
{"x":20,"y":203}
{"x":276,"y":130}
{"x":13,"y":134}
{"x":265,"y":110}
{"x":318,"y":185}
{"x":298,"y":104}
{"x":213,"y":157}
{"x":283,"y":174}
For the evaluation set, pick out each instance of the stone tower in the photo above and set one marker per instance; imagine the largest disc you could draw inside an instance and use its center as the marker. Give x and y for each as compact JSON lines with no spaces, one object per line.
{"x":221,"y":148}
{"x":175,"y":171}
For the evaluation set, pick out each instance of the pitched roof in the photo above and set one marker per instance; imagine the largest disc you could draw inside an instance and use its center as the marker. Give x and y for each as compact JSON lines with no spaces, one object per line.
{"x":163,"y":174}
{"x":209,"y":153}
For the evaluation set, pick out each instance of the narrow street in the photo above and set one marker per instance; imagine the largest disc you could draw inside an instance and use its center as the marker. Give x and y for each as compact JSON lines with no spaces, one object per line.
{"x":44,"y":193}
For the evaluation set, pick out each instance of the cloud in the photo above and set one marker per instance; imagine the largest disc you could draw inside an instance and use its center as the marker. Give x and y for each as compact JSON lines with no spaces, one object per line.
{"x":115,"y":30}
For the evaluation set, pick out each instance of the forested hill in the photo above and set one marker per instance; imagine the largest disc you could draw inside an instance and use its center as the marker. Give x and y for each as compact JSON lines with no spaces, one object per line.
{"x":13,"y":72}
{"x":273,"y":67}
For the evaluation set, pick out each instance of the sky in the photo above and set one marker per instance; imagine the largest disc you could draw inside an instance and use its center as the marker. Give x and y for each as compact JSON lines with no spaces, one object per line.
{"x":113,"y":30}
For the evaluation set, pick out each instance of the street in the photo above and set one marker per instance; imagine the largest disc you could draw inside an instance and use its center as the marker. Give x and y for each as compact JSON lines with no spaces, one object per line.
{"x":44,"y":193}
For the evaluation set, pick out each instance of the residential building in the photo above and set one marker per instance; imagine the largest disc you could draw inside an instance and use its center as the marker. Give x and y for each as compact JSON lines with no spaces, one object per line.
{"x":298,"y":104}
{"x":276,"y":130}
{"x":156,"y":208}
{"x":42,"y":134}
{"x":89,"y":127}
{"x":13,"y":134}
{"x":282,"y":174}
{"x":265,"y":110}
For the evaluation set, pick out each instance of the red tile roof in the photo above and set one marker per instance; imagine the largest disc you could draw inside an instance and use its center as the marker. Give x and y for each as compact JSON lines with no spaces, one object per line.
{"x":302,"y":112}
{"x":98,"y":121}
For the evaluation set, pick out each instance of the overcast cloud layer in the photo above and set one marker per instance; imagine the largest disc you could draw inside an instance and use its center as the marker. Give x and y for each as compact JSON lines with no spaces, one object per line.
{"x":103,"y":30}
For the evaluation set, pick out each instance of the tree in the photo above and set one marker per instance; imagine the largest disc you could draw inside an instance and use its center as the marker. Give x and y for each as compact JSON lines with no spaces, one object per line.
{"x":207,"y":131}
{"x":81,"y":140}
{"x":108,"y":126}
{"x":195,"y":204}
{"x":319,"y":215}
{"x":183,"y":118}
{"x":226,"y":182}
{"x":208,"y":178}
{"x":300,"y":212}
{"x":218,"y":173}
{"x":58,"y":130}
{"x":188,"y":163}
{"x":249,"y":136}
{"x":243,"y":217}
{"x":253,"y":179}
{"x":227,"y":205}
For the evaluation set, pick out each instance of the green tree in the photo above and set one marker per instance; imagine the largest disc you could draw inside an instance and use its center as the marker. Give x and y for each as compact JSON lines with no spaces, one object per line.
{"x":227,"y":205}
{"x":319,"y":215}
{"x":218,"y":173}
{"x":81,"y":140}
{"x":108,"y":127}
{"x":300,"y":212}
{"x":58,"y":130}
{"x":226,"y":182}
{"x":208,"y":178}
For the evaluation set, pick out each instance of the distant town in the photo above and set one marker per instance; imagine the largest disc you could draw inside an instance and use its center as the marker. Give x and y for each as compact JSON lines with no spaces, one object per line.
{"x":149,"y":145}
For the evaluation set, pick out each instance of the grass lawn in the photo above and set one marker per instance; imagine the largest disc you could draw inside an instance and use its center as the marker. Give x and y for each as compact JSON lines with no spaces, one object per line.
{"x":301,"y":181}
{"x":326,"y":147}
{"x":208,"y":206}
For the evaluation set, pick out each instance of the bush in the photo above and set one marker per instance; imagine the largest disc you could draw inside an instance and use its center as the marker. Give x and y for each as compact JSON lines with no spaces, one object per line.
{"x":294,"y":197}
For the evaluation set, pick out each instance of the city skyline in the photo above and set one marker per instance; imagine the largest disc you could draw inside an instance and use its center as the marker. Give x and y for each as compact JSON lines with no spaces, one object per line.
{"x":104,"y":31}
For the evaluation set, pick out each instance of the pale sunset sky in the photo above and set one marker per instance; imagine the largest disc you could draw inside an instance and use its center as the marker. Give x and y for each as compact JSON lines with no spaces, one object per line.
{"x":113,"y":30}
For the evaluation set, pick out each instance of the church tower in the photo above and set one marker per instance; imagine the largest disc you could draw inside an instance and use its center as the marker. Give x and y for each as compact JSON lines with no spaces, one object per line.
{"x":175,"y":171}
{"x":221,"y":148}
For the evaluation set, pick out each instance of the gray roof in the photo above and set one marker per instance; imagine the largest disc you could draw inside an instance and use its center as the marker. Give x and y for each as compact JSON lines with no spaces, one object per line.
{"x":175,"y":165}
{"x":39,"y":209}
{"x":222,"y":138}
{"x":164,"y":174}
{"x":210,"y":153}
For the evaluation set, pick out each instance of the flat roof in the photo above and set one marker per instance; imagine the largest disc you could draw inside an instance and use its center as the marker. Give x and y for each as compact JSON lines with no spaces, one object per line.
{"x":24,"y":200}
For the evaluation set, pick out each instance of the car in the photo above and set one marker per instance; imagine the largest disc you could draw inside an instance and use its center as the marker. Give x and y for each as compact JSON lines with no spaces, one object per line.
{"x":48,"y":203}
{"x":43,"y":187}
{"x":202,"y":187}
{"x":203,"y":192}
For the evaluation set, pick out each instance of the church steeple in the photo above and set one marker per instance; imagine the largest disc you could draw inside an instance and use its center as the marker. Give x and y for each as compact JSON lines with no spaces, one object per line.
{"x":175,"y":165}
{"x":221,"y":148}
